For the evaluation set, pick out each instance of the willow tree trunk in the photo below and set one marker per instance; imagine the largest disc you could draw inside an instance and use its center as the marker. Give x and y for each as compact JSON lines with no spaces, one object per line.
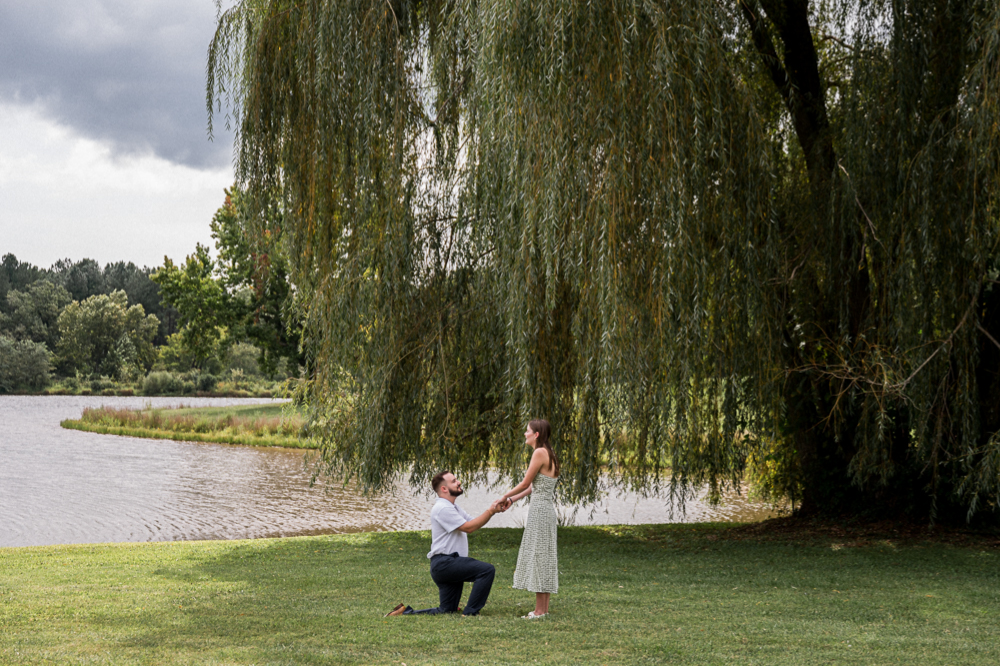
{"x":823,"y":428}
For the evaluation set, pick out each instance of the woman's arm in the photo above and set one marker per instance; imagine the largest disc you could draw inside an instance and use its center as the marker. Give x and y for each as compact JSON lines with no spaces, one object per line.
{"x":538,"y":459}
{"x":514,"y":498}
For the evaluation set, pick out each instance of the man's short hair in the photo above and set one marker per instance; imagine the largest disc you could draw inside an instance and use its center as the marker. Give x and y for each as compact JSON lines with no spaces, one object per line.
{"x":438,"y":480}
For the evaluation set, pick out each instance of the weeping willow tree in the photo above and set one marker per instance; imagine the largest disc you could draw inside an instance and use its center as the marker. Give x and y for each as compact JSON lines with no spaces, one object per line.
{"x":708,"y":240}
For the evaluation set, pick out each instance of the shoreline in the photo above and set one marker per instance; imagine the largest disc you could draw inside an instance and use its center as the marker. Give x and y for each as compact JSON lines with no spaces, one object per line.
{"x":131,"y":393}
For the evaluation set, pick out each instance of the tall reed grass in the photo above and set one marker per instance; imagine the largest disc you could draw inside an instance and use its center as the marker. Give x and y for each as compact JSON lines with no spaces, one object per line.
{"x":211,"y":425}
{"x":160,"y":419}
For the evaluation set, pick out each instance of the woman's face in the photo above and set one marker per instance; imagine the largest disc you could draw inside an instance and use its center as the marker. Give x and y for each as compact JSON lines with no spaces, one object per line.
{"x":530,"y":436}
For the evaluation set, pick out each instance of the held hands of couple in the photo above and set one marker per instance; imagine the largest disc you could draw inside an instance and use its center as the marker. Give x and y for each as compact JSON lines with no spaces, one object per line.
{"x":500,"y":505}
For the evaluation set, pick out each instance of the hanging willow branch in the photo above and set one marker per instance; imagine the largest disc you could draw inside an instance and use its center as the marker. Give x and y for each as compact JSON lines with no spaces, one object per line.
{"x":629,"y":218}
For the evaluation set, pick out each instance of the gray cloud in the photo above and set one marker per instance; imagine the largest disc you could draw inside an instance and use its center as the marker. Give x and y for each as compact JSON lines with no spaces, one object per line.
{"x":125,"y":72}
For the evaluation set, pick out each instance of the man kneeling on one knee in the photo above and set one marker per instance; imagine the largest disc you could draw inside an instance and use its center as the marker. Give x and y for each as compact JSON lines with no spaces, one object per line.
{"x":451,"y":566}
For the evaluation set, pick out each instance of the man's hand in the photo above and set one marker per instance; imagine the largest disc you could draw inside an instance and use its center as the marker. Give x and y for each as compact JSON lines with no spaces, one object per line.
{"x":471,"y":526}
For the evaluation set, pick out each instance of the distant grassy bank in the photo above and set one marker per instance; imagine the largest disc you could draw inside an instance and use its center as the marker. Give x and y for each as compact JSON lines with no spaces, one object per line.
{"x":274,"y":424}
{"x":234,"y":384}
{"x":678,"y":594}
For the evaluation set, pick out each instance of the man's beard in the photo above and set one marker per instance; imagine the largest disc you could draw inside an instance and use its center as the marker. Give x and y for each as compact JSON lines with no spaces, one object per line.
{"x":455,"y":493}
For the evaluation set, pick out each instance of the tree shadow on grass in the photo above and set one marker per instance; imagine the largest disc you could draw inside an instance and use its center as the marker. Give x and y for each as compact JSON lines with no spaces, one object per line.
{"x":624,"y":590}
{"x":323,"y":596}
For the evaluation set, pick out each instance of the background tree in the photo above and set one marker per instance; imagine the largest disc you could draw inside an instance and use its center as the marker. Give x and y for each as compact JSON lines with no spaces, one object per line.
{"x":81,"y":279}
{"x":141,"y":290}
{"x":176,"y":357}
{"x":252,"y":260}
{"x":24,"y":365}
{"x":709,"y":238}
{"x":16,"y":274}
{"x":205,"y":309}
{"x":103,"y":335}
{"x":33,"y":313}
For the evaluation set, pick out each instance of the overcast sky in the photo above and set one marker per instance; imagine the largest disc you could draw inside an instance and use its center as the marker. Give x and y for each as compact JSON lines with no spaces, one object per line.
{"x":104,"y":151}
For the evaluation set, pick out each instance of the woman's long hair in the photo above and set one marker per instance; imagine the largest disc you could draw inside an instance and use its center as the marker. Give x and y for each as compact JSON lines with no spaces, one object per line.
{"x":542,"y":428}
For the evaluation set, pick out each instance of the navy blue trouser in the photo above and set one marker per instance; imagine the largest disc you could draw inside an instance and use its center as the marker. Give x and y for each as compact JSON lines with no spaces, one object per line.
{"x":451,"y":572}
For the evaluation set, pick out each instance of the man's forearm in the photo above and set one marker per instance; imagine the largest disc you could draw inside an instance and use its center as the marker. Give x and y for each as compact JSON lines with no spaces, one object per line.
{"x":477,"y":522}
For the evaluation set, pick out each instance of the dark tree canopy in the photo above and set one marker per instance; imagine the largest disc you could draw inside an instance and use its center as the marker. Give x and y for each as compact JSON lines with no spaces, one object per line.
{"x":17,"y":275}
{"x":86,"y":278}
{"x":82,"y":279}
{"x":709,"y":241}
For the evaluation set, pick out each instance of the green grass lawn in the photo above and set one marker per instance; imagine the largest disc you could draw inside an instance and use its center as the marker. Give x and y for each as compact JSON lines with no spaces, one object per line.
{"x":681,"y":594}
{"x":274,"y":424}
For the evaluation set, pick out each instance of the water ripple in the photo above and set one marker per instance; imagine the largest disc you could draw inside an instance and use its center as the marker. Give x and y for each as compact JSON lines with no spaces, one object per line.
{"x":65,"y":486}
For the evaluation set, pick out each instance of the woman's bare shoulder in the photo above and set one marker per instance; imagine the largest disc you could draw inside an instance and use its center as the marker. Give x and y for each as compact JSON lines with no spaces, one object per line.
{"x":542,"y":457}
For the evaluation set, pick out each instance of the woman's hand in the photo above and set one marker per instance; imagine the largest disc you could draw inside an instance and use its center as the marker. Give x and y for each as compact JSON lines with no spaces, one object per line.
{"x":511,"y":498}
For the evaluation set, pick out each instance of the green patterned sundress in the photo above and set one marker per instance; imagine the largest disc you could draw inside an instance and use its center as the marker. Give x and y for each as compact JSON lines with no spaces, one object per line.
{"x":537,"y":565}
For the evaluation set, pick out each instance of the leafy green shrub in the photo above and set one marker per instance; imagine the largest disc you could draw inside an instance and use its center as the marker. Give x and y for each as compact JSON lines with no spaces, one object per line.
{"x":238,"y":378}
{"x":206,"y":382}
{"x":162,"y":383}
{"x":102,"y":383}
{"x":243,"y":356}
{"x":24,"y":365}
{"x":176,"y":357}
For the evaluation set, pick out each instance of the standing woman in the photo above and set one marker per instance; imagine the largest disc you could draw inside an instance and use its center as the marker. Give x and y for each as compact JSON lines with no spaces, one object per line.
{"x":537,"y":566}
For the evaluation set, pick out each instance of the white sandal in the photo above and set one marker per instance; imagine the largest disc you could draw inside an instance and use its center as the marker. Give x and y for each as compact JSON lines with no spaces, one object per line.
{"x":531,"y":616}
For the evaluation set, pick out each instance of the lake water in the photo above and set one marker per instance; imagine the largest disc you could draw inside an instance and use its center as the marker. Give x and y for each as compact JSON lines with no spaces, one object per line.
{"x":63,"y":486}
